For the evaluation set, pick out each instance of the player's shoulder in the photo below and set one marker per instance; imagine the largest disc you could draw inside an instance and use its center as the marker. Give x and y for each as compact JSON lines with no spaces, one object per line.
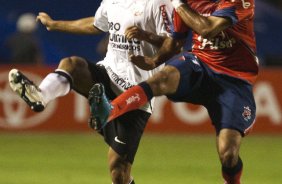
{"x":109,"y":2}
{"x":104,"y":2}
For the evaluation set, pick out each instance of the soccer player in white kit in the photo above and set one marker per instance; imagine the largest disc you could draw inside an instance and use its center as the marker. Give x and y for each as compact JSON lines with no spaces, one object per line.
{"x":136,"y":27}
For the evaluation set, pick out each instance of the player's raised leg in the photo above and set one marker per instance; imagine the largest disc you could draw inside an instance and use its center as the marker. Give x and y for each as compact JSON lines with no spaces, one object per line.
{"x":103,"y":111}
{"x":54,"y":85}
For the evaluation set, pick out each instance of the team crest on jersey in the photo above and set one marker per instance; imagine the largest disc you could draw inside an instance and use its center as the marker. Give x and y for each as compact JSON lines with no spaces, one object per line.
{"x":245,"y":3}
{"x":247,"y":113}
{"x":181,"y":58}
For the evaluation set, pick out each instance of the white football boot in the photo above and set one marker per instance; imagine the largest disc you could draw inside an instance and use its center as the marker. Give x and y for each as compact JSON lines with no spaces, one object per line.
{"x":27,"y":90}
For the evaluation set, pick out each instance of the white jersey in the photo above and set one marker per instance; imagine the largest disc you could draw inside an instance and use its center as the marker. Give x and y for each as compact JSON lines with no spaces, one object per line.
{"x":114,"y":16}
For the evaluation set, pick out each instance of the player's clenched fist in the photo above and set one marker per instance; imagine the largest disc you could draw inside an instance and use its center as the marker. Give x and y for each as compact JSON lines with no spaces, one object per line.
{"x":143,"y":62}
{"x":46,"y":20}
{"x":176,"y":3}
{"x":135,"y":32}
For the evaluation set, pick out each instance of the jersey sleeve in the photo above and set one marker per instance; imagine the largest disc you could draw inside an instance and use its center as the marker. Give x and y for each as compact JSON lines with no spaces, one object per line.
{"x":236,"y":10}
{"x":162,"y":13}
{"x":101,"y":18}
{"x":180,"y":30}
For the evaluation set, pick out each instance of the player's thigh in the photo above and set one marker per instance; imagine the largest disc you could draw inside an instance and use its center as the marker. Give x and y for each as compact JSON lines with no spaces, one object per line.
{"x":190,"y":83}
{"x":78,"y":68}
{"x":165,"y":81}
{"x":232,"y":105}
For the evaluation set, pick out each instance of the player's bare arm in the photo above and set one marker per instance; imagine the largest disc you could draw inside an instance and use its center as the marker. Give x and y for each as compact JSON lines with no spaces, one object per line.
{"x":142,"y":35}
{"x":169,"y":48}
{"x":80,"y":26}
{"x":207,"y":27}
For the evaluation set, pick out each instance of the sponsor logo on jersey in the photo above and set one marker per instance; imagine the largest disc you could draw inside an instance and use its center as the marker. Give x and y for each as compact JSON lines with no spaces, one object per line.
{"x":121,"y":46}
{"x":133,"y":98}
{"x":120,"y":38}
{"x":165,"y":18}
{"x":119,"y":41}
{"x":119,"y":80}
{"x":245,"y":3}
{"x":216,"y":43}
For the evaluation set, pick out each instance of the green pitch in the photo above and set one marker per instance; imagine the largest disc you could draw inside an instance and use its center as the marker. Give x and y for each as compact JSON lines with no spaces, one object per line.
{"x":82,"y":159}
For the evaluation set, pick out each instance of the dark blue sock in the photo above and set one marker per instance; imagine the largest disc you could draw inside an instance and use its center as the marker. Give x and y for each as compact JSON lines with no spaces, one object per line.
{"x":234,"y":170}
{"x":147,"y":89}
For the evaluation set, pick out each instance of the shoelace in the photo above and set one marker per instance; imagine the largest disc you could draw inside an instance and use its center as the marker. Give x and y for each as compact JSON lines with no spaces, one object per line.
{"x":32,"y":90}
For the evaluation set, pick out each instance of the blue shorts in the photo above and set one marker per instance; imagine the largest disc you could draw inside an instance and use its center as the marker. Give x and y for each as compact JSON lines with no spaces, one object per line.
{"x":229,"y":101}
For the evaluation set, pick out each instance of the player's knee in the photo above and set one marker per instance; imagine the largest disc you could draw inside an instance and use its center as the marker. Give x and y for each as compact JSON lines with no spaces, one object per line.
{"x":161,"y":78}
{"x":72,"y":64}
{"x":118,"y":176}
{"x":164,"y":82}
{"x":229,"y":158}
{"x":120,"y":171}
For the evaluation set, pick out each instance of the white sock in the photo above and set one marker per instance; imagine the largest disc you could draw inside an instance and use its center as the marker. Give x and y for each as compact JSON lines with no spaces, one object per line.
{"x":54,"y":85}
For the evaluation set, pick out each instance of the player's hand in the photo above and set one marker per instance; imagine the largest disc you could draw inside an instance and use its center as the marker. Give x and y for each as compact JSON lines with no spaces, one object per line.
{"x":46,"y":20}
{"x":135,"y":32}
{"x":177,"y":3}
{"x":143,"y":62}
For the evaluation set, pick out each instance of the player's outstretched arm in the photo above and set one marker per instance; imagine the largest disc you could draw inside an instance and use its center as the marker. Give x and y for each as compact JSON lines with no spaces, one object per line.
{"x":80,"y":26}
{"x":142,"y":35}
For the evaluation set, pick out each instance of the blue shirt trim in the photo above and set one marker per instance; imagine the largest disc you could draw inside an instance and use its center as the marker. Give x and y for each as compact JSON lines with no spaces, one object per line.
{"x":227,"y":12}
{"x":178,"y":35}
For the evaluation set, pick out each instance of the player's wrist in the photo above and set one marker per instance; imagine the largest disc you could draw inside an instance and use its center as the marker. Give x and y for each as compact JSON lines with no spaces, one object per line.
{"x":52,"y":25}
{"x":176,"y":3}
{"x":143,"y":35}
{"x":156,"y":61}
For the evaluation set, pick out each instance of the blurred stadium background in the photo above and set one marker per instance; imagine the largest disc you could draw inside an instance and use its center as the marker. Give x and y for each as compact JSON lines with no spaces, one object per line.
{"x":57,"y":146}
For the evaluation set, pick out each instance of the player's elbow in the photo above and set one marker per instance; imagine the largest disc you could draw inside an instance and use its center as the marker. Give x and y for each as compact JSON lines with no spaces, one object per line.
{"x":210,"y":29}
{"x":213,"y":26}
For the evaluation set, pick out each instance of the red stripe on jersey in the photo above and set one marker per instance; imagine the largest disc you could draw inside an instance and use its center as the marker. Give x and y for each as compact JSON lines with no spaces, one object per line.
{"x":179,"y":25}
